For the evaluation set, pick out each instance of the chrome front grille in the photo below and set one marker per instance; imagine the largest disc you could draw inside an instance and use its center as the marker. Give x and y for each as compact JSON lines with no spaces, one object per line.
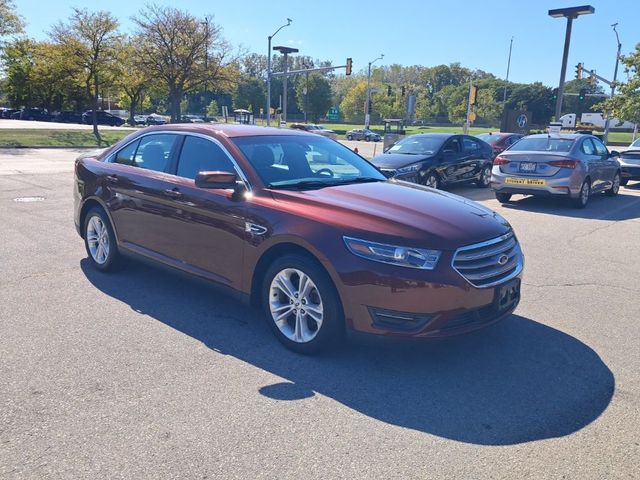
{"x":489,"y":263}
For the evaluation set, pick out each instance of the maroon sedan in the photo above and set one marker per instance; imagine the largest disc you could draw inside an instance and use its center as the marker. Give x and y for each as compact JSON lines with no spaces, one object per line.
{"x":302,"y":226}
{"x":500,"y":141}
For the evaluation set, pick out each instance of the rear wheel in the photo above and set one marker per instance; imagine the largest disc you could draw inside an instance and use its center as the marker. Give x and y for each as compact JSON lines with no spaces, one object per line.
{"x":100,"y":241}
{"x":583,"y":196}
{"x":349,"y":137}
{"x":615,"y":186}
{"x":485,"y":178}
{"x":503,"y":197}
{"x":301,"y":304}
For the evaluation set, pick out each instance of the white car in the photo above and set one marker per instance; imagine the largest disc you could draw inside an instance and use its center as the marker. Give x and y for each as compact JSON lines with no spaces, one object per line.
{"x":635,"y":145}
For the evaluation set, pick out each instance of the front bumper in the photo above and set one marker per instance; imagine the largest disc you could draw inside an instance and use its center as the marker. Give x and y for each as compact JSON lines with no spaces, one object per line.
{"x":402,"y":302}
{"x":630,"y":172}
{"x":565,"y":183}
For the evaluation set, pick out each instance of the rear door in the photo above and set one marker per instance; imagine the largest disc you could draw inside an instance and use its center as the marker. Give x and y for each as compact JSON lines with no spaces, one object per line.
{"x":472,"y":161}
{"x":593,"y":163}
{"x":140,"y":194}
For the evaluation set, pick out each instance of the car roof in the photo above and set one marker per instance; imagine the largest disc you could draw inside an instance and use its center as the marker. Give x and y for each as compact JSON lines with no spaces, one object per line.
{"x":563,"y":136}
{"x":434,"y":134}
{"x":226,"y":130}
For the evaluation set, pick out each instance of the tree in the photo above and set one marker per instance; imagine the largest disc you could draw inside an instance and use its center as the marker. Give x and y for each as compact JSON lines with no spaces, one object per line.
{"x":132,"y":78}
{"x":626,"y":104}
{"x":176,"y":46}
{"x":212,"y":109}
{"x":250,"y":91}
{"x":19,"y":58}
{"x":352,"y":105}
{"x":90,"y":40}
{"x":317,"y":101}
{"x":10,"y":22}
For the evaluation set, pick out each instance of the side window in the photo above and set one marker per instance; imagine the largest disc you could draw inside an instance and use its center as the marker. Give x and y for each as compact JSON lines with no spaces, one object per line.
{"x":200,"y":155}
{"x":600,"y":148}
{"x":127,"y":154}
{"x":470,"y":145}
{"x":453,"y":145}
{"x":153,"y":152}
{"x":588,"y":148}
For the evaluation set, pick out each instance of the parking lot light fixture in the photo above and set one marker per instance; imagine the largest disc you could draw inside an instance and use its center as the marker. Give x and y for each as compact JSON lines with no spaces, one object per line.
{"x":570,"y":14}
{"x":367,"y":113}
{"x":285,"y":51}
{"x":269,"y":69}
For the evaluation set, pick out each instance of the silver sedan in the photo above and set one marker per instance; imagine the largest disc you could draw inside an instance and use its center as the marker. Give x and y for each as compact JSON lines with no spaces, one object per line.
{"x":568,"y":165}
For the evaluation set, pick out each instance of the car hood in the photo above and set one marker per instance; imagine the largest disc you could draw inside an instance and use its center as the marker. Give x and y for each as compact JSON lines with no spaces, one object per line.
{"x":397,"y":160}
{"x":397,"y":212}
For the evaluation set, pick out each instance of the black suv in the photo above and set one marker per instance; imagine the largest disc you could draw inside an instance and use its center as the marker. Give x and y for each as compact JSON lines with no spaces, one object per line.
{"x":104,"y":118}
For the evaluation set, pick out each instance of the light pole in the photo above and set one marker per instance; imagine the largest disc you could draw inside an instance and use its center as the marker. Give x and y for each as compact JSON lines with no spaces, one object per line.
{"x":285,"y":51}
{"x":269,"y":69}
{"x":613,"y":84}
{"x":206,"y":65}
{"x":367,"y":113}
{"x":506,"y":80}
{"x":570,"y":14}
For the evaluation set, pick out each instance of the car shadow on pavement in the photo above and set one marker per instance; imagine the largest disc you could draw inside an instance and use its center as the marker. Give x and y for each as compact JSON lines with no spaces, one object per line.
{"x":600,"y":207}
{"x":515,"y":382}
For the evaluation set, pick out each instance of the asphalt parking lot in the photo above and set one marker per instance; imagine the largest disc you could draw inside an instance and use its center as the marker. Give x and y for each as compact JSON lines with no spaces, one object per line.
{"x":146,"y":374}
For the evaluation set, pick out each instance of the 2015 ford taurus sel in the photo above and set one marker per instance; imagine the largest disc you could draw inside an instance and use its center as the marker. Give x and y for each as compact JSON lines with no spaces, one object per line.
{"x":301,"y":225}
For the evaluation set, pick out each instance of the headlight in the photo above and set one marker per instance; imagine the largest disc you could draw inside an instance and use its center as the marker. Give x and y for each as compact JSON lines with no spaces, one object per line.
{"x":393,"y":254}
{"x":408,"y":169}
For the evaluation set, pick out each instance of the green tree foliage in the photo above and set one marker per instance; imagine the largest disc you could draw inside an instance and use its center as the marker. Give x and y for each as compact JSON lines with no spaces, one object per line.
{"x":89,"y":40}
{"x":213,"y":109}
{"x":184,"y":52}
{"x":10,"y":22}
{"x":250,"y":91}
{"x":352,"y":105}
{"x":625,"y":105}
{"x":131,"y":77}
{"x":318,"y":98}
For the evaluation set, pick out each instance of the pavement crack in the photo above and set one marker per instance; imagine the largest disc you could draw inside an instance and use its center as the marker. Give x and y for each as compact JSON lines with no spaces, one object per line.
{"x":581,"y":284}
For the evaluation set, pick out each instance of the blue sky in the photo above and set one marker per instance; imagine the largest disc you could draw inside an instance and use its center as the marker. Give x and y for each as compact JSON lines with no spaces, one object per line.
{"x":409,"y":32}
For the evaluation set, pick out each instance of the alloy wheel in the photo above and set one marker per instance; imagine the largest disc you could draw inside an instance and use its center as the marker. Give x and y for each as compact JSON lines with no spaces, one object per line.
{"x":295,"y":305}
{"x":98,"y":239}
{"x":431,"y":181}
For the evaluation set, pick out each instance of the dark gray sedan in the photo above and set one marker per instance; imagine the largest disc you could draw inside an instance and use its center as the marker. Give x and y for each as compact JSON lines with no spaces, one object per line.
{"x":567,"y":165}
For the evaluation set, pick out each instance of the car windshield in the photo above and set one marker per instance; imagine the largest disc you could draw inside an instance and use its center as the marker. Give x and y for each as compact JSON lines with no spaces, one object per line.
{"x":305,"y":162}
{"x":543,"y":144}
{"x":418,"y":145}
{"x":489,"y":138}
{"x":635,"y":144}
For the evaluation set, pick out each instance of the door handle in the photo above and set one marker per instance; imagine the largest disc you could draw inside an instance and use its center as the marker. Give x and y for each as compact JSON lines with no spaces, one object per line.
{"x":111,"y":178}
{"x":173,"y":193}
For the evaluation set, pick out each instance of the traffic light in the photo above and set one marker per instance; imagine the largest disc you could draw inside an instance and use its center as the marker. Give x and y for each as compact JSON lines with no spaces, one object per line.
{"x":592,"y":80}
{"x":402,"y":90}
{"x":554,"y":94}
{"x":579,"y":71}
{"x":349,"y":66}
{"x":582,"y":94}
{"x":473,"y":95}
{"x":388,"y":90}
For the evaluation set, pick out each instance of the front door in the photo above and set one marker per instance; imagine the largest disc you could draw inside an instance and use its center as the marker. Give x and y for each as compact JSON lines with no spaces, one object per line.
{"x":451,"y":158}
{"x":210,"y":233}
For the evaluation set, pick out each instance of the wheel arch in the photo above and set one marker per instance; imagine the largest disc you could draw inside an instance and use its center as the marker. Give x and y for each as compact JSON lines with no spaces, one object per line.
{"x":88,"y":204}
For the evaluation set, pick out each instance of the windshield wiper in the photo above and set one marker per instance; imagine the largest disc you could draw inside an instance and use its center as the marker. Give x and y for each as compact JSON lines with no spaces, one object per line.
{"x":310,"y":184}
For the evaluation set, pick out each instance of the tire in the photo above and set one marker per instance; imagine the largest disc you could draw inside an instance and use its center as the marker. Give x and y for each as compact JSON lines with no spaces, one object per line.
{"x":583,"y":196}
{"x":349,"y":137}
{"x":623,"y":182}
{"x":431,"y":180}
{"x":485,"y":178}
{"x":94,"y":222}
{"x":367,"y":139}
{"x":297,"y":322}
{"x":615,"y":186}
{"x":503,"y":197}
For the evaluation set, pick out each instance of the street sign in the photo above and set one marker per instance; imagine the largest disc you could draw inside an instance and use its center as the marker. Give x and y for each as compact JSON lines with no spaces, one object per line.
{"x":472,"y":116}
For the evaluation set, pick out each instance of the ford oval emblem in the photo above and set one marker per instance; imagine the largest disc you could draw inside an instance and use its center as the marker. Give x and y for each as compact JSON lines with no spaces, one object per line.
{"x":503,"y":259}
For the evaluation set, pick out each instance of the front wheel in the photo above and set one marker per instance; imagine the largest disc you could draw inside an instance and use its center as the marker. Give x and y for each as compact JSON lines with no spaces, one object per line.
{"x":432,"y":181}
{"x":583,"y":196}
{"x":485,"y":178}
{"x":503,"y":197}
{"x":615,"y":186}
{"x":349,"y":137}
{"x":301,"y":304}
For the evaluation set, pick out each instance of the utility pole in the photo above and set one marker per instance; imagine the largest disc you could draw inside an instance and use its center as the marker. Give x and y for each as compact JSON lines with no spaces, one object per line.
{"x":613,"y":85}
{"x":206,"y":66}
{"x":367,"y":113}
{"x":269,"y":69}
{"x":466,"y":122}
{"x":506,"y":80}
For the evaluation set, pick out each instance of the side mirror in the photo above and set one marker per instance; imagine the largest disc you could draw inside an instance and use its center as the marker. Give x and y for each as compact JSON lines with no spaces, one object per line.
{"x":614,"y":153}
{"x":222,"y":180}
